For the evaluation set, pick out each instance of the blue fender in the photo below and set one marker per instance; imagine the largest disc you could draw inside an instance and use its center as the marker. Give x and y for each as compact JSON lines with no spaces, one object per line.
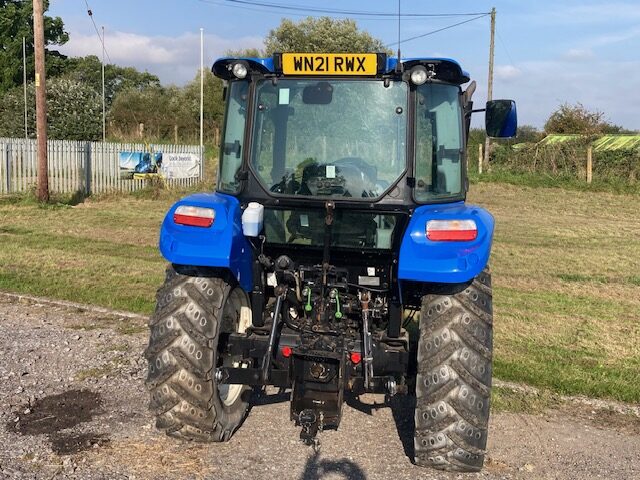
{"x":424,"y":260}
{"x":221,"y":245}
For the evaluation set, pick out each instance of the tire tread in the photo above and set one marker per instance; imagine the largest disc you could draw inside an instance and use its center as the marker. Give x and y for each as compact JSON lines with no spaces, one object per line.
{"x":455,"y":359}
{"x":182,"y":342}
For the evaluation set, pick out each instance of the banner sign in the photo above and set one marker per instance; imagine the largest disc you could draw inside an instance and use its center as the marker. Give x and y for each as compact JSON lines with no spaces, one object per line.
{"x":167,"y":165}
{"x":137,"y":164}
{"x":181,"y":165}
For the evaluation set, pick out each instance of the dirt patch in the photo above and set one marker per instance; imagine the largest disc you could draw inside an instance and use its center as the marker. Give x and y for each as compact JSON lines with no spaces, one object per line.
{"x":56,"y":412}
{"x":53,"y":414}
{"x":604,"y":418}
{"x":68,"y":444}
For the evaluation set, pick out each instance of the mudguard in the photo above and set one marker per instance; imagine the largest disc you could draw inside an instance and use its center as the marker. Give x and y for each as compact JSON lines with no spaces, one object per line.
{"x":424,"y":260}
{"x":221,"y":245}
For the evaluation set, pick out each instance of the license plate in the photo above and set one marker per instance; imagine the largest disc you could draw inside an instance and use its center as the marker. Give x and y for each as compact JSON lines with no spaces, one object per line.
{"x":329,"y":63}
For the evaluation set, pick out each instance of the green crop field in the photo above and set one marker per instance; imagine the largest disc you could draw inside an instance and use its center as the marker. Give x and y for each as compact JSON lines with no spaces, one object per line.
{"x":566,"y":273}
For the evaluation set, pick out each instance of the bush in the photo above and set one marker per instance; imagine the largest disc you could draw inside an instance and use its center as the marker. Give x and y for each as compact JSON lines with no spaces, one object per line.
{"x":567,"y":159}
{"x":74,"y":111}
{"x":577,"y":119}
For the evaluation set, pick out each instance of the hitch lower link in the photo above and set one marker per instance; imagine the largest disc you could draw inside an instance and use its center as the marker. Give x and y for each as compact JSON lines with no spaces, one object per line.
{"x":367,"y":345}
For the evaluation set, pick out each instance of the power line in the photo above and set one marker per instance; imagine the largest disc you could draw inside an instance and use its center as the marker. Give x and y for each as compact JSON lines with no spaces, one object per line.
{"x":505,"y":48}
{"x":439,"y":29}
{"x":95,"y":27}
{"x":242,"y":7}
{"x":248,"y":4}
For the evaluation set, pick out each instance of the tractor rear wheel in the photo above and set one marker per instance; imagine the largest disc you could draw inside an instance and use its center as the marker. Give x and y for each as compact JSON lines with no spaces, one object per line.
{"x":196,"y":311}
{"x":453,"y":382}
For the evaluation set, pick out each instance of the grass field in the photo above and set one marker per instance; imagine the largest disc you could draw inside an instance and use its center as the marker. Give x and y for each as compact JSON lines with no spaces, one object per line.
{"x":566,"y":273}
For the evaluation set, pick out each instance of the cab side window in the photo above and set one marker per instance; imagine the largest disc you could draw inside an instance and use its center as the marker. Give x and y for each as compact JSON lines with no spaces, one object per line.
{"x":233,"y":141}
{"x":438,"y":168}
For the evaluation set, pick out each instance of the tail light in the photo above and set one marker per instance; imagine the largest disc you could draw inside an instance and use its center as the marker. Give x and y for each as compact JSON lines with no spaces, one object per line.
{"x":451,"y":230}
{"x":194,"y":216}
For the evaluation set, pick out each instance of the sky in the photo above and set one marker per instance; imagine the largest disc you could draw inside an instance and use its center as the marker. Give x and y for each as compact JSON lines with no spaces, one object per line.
{"x":546,"y":52}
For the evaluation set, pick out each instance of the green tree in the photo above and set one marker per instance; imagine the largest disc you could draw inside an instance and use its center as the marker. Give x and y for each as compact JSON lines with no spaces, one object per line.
{"x":528,"y":134}
{"x":322,"y":34}
{"x":213,"y":101}
{"x":577,"y":119}
{"x":116,"y":79}
{"x":16,"y":21}
{"x":163,"y":109}
{"x":246,"y":53}
{"x":74,"y":111}
{"x":132,"y":107}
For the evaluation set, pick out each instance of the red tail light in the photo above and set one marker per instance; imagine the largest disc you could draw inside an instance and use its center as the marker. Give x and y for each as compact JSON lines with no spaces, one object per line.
{"x":194,"y":216}
{"x":286,"y":352}
{"x":451,"y":230}
{"x":356,"y":357}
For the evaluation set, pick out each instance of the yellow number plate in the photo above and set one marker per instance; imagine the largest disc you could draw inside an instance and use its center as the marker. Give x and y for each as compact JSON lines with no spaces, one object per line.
{"x":329,"y":63}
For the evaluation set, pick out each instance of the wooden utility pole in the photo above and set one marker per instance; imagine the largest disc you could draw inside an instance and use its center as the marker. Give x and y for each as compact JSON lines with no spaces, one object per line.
{"x":41,"y":102}
{"x":589,"y":164}
{"x":490,"y":81}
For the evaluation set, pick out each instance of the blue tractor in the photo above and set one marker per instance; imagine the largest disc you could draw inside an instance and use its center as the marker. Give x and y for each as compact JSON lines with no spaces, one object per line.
{"x":339,"y":213}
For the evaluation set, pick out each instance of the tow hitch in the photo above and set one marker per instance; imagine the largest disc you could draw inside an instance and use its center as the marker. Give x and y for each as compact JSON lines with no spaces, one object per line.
{"x":318,"y":386}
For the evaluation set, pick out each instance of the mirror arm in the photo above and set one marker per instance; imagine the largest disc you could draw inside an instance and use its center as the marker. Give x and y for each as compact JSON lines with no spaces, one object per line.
{"x":469,"y":112}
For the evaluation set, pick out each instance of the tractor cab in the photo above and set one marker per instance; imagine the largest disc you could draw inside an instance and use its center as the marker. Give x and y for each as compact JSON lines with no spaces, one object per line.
{"x":356,"y":128}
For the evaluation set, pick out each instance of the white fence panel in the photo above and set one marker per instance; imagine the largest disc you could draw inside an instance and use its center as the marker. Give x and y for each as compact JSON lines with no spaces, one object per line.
{"x":91,"y":167}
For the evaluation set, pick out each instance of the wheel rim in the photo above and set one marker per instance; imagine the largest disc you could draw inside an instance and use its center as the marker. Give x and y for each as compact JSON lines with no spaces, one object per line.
{"x":237,"y":313}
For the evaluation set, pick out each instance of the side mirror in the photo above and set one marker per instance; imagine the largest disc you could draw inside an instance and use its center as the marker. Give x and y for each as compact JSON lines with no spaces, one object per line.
{"x":501,"y":119}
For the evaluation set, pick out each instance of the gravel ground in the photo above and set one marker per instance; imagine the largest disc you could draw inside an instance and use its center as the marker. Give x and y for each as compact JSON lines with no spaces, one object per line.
{"x":73,"y":405}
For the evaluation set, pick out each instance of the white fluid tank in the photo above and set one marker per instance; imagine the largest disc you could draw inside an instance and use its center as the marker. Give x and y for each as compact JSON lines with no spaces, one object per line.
{"x":252,"y":218}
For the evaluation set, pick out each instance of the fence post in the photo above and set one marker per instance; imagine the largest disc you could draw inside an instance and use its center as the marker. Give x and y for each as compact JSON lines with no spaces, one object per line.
{"x":480,"y":158}
{"x":589,"y":164}
{"x":7,"y":169}
{"x":87,"y":168}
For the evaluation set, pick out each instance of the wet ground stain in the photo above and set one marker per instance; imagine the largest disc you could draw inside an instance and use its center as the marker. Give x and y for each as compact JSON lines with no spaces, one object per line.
{"x":52,"y":414}
{"x":67,"y":444}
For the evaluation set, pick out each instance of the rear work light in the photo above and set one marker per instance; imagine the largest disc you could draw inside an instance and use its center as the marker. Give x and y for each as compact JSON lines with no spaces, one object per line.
{"x":194,"y":216}
{"x":451,"y":230}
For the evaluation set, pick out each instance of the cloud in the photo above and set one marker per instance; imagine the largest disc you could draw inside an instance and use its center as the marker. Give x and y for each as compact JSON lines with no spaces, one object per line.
{"x":544,"y":85}
{"x":173,"y":59}
{"x":611,"y":38}
{"x":578,"y":54}
{"x":507,"y":72}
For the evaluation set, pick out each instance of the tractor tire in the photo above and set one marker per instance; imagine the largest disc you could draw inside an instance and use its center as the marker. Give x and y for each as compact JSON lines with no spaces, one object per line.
{"x":453,"y":382}
{"x":196,"y":310}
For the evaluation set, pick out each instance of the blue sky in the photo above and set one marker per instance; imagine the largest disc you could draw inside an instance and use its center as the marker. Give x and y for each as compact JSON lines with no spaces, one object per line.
{"x":547,"y":52}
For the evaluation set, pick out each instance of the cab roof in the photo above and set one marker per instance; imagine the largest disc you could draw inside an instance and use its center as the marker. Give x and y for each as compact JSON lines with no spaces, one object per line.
{"x":448,"y":70}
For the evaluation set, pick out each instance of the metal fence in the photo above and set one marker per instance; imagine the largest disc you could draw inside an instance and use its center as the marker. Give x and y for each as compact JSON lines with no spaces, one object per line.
{"x":90,"y":167}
